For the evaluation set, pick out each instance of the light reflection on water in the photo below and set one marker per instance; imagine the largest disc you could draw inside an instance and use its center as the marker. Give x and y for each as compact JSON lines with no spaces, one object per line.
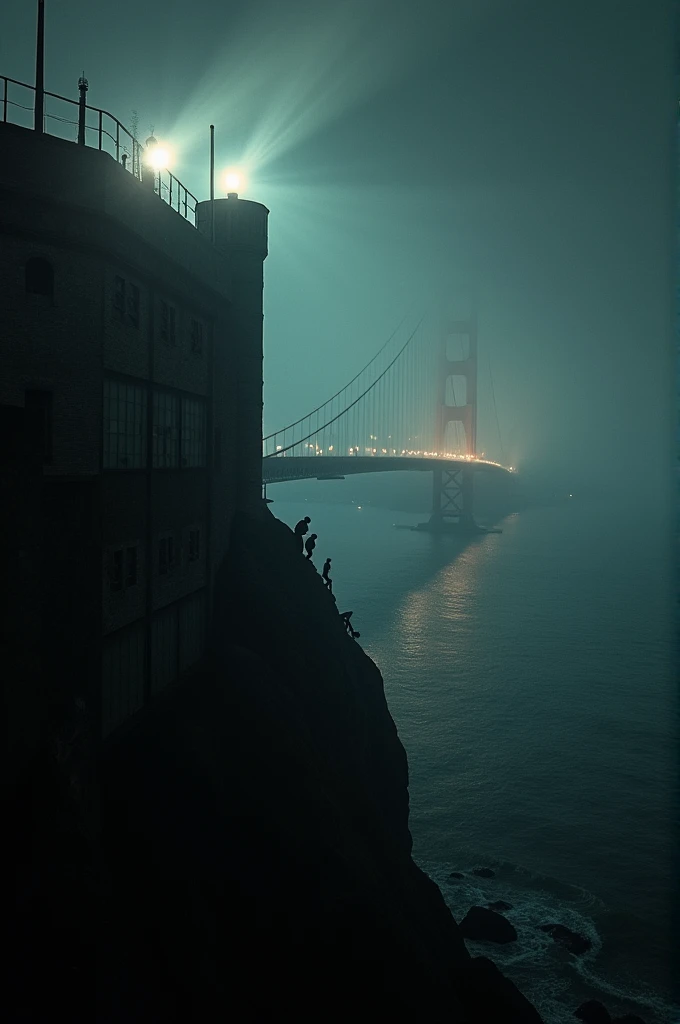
{"x":530,"y":675}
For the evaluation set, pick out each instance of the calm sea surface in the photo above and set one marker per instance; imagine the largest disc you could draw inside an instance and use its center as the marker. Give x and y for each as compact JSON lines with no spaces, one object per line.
{"x":531,"y":676}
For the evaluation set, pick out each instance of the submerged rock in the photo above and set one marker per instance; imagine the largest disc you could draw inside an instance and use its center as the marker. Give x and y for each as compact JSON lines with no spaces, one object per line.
{"x":499,"y":905}
{"x":482,"y":924}
{"x":456,"y":874}
{"x":484,"y":873}
{"x":575,"y":943}
{"x":593,"y":1012}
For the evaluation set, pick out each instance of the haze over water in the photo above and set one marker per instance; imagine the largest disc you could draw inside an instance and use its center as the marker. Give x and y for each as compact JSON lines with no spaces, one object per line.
{"x":530,"y":675}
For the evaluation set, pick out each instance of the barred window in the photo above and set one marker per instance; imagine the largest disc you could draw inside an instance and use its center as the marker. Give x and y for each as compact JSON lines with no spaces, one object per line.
{"x":119,"y":298}
{"x":124,"y":425}
{"x":165,"y":430}
{"x":193,"y":432}
{"x":196,"y":336}
{"x":167,"y":328}
{"x":133,"y":306}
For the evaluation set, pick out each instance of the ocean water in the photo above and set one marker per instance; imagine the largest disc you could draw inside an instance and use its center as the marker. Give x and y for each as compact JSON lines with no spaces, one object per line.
{"x":531,"y":675}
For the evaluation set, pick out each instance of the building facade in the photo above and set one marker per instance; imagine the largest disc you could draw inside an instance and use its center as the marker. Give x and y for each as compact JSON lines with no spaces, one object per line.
{"x":134,"y":346}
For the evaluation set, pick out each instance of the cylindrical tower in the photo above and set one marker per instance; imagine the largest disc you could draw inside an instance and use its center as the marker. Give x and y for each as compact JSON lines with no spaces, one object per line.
{"x":241,"y":236}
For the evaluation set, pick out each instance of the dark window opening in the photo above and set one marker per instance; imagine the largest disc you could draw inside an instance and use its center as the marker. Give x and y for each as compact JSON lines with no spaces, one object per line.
{"x":38,"y":406}
{"x":116,"y":569}
{"x":196,"y":336}
{"x":133,"y":306}
{"x":166,"y":555}
{"x":131,"y":567}
{"x":167,"y":331}
{"x":39,"y":277}
{"x":119,"y":298}
{"x":194,"y":545}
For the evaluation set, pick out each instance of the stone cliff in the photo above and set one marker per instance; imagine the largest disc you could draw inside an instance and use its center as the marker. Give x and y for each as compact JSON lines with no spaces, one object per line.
{"x":253,"y":856}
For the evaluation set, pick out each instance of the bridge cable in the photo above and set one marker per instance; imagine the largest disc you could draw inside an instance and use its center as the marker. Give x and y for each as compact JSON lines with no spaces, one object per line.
{"x":495,"y":411}
{"x":337,"y":393}
{"x":348,"y":407}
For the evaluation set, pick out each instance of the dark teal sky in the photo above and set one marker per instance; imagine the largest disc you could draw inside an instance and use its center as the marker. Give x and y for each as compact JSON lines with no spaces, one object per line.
{"x":414,"y":154}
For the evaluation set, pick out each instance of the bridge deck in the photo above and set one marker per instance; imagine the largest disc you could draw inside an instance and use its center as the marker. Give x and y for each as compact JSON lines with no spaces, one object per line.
{"x":279,"y":468}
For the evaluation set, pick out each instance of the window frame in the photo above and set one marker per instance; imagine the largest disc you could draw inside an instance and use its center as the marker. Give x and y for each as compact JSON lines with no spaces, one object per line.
{"x":125,"y":447}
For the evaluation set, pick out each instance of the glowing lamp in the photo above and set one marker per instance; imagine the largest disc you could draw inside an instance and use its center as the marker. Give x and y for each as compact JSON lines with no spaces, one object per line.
{"x":157,"y":157}
{"x":233,"y":180}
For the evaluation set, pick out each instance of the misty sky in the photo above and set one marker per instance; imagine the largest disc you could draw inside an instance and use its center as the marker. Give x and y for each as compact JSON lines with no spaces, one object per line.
{"x":413,"y":156}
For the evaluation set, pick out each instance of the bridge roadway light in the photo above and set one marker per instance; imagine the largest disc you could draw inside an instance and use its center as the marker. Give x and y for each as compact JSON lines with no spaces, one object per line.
{"x":157,"y":156}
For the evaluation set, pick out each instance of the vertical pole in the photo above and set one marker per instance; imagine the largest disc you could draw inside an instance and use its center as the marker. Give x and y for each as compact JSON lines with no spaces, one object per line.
{"x":82,"y":89}
{"x":39,"y":109}
{"x":212,"y":183}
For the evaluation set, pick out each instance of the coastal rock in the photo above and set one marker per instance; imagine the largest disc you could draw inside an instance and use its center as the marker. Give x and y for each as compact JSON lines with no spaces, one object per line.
{"x":499,"y":905}
{"x":593,"y":1012}
{"x":456,"y":874}
{"x":484,"y":873}
{"x":253,"y":834}
{"x":575,"y":943}
{"x":628,"y":1018}
{"x":482,"y":924}
{"x":488,"y":997}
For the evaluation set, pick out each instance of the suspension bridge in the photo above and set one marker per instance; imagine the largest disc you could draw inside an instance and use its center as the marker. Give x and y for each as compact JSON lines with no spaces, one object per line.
{"x":411,"y":408}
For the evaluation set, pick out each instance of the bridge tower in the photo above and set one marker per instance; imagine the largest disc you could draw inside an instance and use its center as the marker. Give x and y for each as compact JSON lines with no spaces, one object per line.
{"x":452,"y":496}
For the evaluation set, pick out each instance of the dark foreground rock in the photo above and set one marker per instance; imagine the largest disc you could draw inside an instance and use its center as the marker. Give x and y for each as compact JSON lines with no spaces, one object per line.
{"x":482,"y":924}
{"x":628,"y":1018}
{"x":593,"y":1012}
{"x":575,"y":943}
{"x":248,"y":852}
{"x":499,"y":905}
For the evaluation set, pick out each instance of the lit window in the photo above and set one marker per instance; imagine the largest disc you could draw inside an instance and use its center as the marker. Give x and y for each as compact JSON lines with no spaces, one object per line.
{"x":133,"y":306}
{"x":167,"y":328}
{"x":196,"y":336}
{"x":124,"y":425}
{"x":39,"y":279}
{"x":119,"y":298}
{"x":194,"y":545}
{"x":193,"y":432}
{"x":165,"y":430}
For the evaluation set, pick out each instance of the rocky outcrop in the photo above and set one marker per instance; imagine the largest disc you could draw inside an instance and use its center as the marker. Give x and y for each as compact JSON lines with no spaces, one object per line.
{"x":575,"y":943}
{"x":484,"y":925}
{"x":253,"y":847}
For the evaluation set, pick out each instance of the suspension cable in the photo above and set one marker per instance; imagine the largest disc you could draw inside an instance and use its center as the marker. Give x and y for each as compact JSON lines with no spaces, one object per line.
{"x":348,"y":407}
{"x":344,"y":388}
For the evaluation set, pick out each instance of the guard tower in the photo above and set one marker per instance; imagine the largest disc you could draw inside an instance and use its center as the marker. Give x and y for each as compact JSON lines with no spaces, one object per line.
{"x":452,"y":496}
{"x":238,"y":228}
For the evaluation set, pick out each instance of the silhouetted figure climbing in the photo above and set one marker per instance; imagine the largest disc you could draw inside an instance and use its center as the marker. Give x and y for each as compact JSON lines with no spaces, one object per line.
{"x":310,"y":545}
{"x":346,"y":616}
{"x":325,"y":574}
{"x":301,"y":529}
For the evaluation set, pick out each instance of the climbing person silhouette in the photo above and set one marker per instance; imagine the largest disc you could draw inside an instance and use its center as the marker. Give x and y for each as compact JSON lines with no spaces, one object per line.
{"x":301,"y":529}
{"x":310,"y":544}
{"x":325,"y":574}
{"x":346,"y":616}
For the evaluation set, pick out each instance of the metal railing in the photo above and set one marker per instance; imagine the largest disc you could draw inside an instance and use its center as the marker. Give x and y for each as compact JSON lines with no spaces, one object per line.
{"x":102,"y":131}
